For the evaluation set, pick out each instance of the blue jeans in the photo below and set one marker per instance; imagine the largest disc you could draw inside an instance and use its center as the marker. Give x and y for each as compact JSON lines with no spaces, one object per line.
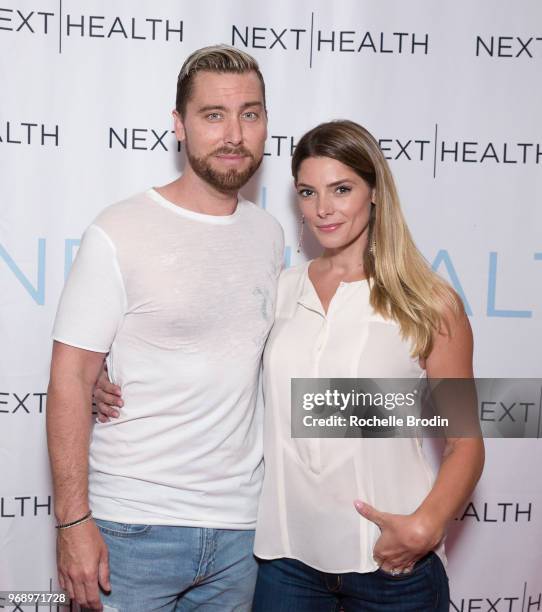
{"x":287,"y":585}
{"x":155,"y":567}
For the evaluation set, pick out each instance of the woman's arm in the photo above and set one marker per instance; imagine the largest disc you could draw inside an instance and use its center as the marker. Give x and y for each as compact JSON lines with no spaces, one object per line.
{"x":107,"y":397}
{"x":404,"y":539}
{"x":463,"y":458}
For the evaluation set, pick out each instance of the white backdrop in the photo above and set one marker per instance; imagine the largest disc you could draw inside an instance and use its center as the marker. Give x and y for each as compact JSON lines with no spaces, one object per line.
{"x":452,"y":90}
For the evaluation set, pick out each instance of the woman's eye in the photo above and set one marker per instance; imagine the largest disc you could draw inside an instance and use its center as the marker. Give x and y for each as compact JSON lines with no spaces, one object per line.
{"x":343,"y":189}
{"x":305,"y":193}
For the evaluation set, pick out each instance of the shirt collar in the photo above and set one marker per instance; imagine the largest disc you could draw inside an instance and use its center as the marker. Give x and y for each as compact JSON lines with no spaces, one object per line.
{"x":309,"y":298}
{"x":307,"y":295}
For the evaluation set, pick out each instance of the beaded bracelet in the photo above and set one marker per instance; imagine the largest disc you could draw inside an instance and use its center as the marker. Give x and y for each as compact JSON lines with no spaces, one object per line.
{"x":80,"y":521}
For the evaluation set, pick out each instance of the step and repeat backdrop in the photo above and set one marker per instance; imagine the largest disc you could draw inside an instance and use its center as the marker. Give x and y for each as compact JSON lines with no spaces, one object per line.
{"x":453,"y":92}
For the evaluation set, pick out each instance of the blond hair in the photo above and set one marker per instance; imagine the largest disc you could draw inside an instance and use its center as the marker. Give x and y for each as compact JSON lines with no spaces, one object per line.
{"x":403,"y":286}
{"x":217,"y":58}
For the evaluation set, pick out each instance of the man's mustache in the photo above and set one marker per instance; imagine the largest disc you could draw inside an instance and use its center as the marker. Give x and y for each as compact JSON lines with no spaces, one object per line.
{"x":233,"y":151}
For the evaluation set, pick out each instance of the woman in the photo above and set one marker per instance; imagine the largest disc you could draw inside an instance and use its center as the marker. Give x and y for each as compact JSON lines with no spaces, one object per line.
{"x":357,"y":524}
{"x":368,"y":307}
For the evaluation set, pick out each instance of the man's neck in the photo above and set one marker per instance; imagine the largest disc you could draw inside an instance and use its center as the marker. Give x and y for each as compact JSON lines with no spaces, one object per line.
{"x":191,"y":192}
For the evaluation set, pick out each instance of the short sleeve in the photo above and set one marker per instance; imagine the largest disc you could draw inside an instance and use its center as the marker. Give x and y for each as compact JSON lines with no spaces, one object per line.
{"x":93,"y":302}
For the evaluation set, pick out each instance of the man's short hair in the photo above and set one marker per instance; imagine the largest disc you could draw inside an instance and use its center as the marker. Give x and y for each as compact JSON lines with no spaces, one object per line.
{"x":218,"y":58}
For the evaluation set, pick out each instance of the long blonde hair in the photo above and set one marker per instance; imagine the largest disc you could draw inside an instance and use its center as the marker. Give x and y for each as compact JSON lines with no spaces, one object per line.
{"x":403,"y":286}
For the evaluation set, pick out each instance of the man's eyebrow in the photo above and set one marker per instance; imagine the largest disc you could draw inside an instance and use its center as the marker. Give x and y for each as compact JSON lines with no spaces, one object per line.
{"x":213,"y":107}
{"x":254,"y":103}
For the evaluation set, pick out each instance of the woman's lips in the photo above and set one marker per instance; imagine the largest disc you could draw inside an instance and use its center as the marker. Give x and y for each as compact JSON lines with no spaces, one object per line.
{"x":328,"y":228}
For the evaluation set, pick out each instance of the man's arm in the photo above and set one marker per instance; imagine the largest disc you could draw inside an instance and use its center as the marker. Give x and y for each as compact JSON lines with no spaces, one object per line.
{"x":81,"y":551}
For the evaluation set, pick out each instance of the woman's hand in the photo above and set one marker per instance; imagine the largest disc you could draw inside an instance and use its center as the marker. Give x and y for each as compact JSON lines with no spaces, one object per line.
{"x":403,"y":538}
{"x":107,"y":397}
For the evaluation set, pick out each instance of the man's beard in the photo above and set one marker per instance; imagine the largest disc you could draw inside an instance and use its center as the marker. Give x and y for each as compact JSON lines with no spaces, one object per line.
{"x":225,"y":182}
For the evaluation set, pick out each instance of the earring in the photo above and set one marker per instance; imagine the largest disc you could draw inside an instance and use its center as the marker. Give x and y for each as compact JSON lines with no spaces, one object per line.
{"x":372,"y":246}
{"x":300,"y":241}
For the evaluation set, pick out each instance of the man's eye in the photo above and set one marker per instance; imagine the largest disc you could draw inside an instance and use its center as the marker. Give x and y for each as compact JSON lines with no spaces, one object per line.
{"x":251,"y":115}
{"x":343,"y":189}
{"x":213,"y":116}
{"x":305,"y":193}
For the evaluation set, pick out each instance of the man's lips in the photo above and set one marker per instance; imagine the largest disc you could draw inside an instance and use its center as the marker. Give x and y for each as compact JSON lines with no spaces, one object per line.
{"x":329,"y":227}
{"x":232,"y":158}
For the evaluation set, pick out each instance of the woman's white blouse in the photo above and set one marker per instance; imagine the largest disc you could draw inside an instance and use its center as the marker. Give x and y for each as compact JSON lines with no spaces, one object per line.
{"x":306,"y":509}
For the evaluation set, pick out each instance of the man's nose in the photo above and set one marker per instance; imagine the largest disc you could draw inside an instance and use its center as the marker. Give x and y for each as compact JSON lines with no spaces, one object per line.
{"x":234,"y":132}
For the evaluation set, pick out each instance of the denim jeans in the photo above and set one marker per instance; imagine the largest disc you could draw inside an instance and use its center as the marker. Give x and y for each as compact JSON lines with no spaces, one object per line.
{"x":155,"y":567}
{"x":287,"y":585}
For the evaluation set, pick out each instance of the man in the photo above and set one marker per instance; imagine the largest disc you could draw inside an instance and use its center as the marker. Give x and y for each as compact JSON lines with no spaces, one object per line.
{"x":177,"y":287}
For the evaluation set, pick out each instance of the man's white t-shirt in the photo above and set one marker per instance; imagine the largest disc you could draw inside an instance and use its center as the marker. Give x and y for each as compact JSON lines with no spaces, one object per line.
{"x":183,"y":303}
